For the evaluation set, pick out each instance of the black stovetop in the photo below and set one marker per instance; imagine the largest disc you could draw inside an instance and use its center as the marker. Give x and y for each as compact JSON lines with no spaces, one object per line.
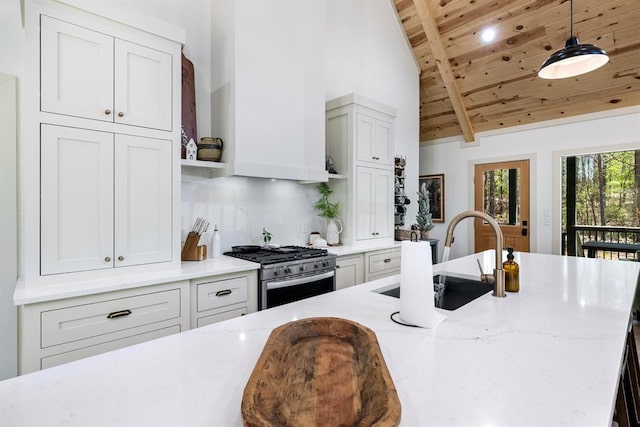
{"x":281,"y":254}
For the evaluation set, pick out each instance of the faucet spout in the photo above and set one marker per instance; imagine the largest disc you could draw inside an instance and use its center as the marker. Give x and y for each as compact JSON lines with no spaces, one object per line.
{"x":498,"y":286}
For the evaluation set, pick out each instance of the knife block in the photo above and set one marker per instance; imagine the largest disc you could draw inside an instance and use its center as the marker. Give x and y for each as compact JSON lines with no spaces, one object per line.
{"x":191,"y":251}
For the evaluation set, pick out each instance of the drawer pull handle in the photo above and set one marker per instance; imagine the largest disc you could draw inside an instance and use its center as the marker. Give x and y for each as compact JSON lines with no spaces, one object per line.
{"x":120,"y":114}
{"x":387,"y":260}
{"x":107,"y":112}
{"x":223,"y":293}
{"x":107,"y":259}
{"x":117,"y":314}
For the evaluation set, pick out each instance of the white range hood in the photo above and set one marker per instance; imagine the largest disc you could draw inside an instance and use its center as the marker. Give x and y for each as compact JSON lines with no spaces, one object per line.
{"x":268,"y":87}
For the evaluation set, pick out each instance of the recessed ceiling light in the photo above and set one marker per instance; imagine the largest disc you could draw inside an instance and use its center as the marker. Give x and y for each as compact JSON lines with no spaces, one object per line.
{"x":488,"y":35}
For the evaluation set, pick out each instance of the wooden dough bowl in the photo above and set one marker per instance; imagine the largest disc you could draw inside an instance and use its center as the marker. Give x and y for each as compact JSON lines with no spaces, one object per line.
{"x":321,"y":371}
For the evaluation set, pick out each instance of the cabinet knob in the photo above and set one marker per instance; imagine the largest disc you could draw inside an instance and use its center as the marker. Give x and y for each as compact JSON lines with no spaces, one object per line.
{"x":120,"y":114}
{"x":120,"y":258}
{"x":107,"y":111}
{"x":107,"y":259}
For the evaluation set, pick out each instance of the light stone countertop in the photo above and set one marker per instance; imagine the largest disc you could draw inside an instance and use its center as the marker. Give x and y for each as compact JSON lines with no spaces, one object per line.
{"x":548,"y":355}
{"x":188,"y":270}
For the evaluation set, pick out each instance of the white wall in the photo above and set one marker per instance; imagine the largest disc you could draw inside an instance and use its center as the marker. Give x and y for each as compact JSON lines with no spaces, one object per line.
{"x":544,"y":144}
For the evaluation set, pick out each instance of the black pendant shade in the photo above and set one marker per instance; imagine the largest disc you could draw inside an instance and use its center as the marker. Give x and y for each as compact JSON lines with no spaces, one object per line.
{"x":574,"y":59}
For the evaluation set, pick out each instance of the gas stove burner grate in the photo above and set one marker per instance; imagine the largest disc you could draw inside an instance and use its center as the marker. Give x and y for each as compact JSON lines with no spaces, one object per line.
{"x":281,"y":254}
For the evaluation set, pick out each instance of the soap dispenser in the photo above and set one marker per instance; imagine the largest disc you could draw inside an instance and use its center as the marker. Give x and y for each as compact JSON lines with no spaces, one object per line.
{"x":511,"y":272}
{"x":216,"y":242}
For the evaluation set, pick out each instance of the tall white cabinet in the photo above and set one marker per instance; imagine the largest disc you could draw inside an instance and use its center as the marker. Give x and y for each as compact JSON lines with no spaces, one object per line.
{"x":360,"y":141}
{"x":99,"y":183}
{"x":101,"y":152}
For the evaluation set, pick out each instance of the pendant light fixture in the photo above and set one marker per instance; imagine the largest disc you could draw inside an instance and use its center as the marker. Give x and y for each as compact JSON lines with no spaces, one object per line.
{"x":574,"y":59}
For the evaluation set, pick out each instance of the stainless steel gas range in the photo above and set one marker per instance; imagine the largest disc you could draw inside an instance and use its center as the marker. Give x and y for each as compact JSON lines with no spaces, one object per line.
{"x":291,"y":273}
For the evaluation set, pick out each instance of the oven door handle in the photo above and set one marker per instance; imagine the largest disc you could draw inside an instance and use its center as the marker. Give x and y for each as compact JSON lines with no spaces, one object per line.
{"x":300,"y":281}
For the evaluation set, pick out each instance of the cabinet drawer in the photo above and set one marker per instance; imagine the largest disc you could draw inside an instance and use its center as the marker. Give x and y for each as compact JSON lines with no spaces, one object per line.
{"x":70,"y":356}
{"x":219,"y":317}
{"x":89,"y":320}
{"x":384,"y":262}
{"x":222,"y":293}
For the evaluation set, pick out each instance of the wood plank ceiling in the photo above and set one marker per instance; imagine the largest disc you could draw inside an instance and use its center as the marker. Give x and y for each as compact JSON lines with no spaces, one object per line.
{"x":468,"y":86}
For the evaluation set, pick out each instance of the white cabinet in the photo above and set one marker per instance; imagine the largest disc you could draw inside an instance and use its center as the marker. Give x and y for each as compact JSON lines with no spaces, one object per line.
{"x":89,"y":74}
{"x":349,"y":271}
{"x":382,"y":263}
{"x":61,"y":331}
{"x":374,"y":140}
{"x":105,"y":200}
{"x":359,"y":136}
{"x":374,"y":207}
{"x":218,"y":298}
{"x":100,"y":158}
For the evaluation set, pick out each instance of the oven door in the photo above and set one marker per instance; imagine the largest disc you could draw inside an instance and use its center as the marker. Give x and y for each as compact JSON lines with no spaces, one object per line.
{"x":278,"y":292}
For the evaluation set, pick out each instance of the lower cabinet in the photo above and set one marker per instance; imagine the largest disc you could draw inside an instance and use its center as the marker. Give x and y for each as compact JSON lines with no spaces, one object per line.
{"x":381,"y":263}
{"x":61,"y":331}
{"x":349,"y":271}
{"x":223,"y":297}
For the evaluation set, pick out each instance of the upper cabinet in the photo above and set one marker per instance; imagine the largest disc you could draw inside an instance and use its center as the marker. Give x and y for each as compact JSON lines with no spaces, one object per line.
{"x":268,"y":87}
{"x":360,"y":141}
{"x":96,"y":76}
{"x":375,"y":139}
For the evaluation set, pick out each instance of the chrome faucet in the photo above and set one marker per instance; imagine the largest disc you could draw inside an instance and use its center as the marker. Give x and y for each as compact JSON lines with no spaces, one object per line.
{"x":498,"y":272}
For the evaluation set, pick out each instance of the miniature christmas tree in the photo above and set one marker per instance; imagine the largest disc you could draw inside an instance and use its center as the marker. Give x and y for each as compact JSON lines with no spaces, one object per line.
{"x":423,"y":218}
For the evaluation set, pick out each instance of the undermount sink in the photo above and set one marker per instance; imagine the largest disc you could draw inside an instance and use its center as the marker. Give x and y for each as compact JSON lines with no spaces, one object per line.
{"x":453,"y":293}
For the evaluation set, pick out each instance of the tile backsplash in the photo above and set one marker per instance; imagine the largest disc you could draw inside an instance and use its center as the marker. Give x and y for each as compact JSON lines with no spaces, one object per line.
{"x":241,"y":206}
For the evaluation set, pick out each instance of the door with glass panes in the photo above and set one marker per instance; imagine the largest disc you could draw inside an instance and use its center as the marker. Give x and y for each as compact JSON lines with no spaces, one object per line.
{"x":502,"y":191}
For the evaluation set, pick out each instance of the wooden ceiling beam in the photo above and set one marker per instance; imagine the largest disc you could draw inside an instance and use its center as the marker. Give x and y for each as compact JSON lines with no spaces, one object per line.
{"x":442,"y":61}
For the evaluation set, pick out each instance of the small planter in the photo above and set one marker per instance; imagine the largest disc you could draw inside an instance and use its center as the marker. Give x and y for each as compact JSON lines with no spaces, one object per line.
{"x":424,"y":235}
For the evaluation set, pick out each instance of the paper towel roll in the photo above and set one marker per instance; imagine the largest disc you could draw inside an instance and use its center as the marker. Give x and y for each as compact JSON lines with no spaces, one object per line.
{"x":416,"y":286}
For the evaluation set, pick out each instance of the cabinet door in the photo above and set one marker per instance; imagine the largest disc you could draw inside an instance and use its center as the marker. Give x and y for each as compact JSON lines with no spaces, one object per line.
{"x":374,"y":203}
{"x":142,"y":86}
{"x":365,"y":132}
{"x":383,"y":142}
{"x":142,"y":200}
{"x":76,"y":70}
{"x":365,"y":181}
{"x":76,"y":210}
{"x":349,"y":271}
{"x":374,"y":140}
{"x":383,"y":203}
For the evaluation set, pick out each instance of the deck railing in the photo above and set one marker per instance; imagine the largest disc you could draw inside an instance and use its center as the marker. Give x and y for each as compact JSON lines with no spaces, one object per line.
{"x":596,"y":233}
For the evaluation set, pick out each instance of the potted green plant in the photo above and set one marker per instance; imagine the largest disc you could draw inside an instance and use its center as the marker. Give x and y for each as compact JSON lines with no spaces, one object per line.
{"x":328,"y":210}
{"x":423,"y":218}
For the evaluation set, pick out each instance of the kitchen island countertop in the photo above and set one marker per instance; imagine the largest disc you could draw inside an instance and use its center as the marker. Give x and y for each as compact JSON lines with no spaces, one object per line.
{"x":548,"y":355}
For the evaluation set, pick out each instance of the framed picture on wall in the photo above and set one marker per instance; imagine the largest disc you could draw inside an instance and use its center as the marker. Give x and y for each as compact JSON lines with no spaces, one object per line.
{"x":435,"y":187}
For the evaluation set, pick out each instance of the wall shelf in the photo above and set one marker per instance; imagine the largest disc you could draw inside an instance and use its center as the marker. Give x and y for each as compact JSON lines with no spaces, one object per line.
{"x":202,"y":164}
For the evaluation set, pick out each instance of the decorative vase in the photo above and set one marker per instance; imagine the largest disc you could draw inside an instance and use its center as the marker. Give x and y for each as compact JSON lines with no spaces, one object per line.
{"x":333,"y":232}
{"x":424,"y":235}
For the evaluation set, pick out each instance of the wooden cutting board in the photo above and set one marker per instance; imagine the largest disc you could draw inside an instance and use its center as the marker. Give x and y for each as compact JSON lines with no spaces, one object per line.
{"x":188,"y":101}
{"x":321,"y":371}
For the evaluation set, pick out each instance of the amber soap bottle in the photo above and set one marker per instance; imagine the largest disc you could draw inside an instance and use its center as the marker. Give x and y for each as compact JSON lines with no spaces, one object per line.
{"x":511,"y":272}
